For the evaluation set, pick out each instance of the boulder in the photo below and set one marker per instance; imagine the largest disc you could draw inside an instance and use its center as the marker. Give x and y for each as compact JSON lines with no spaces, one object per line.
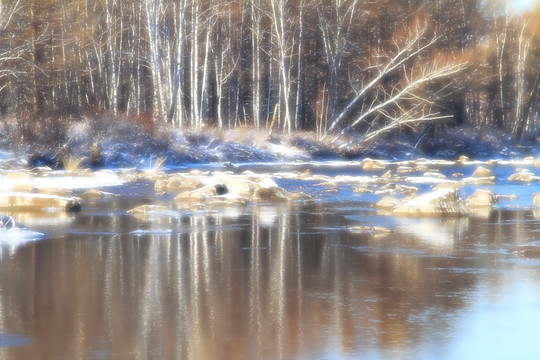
{"x":239,"y":185}
{"x":444,"y":202}
{"x":387,"y":175}
{"x":524,"y":176}
{"x":371,"y":165}
{"x":226,"y":200}
{"x":362,"y":190}
{"x":455,"y":185}
{"x":462,"y":159}
{"x":268,"y":190}
{"x":490,"y":180}
{"x":36,"y":201}
{"x":95,"y":194}
{"x":387,"y":203}
{"x":482,"y":172}
{"x":434,"y":174}
{"x":201,"y":194}
{"x":536,"y":199}
{"x":300,"y":196}
{"x":481,"y":199}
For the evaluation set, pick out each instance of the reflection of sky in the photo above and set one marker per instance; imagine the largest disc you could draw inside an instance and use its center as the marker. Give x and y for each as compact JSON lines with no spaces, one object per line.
{"x":503,"y":325}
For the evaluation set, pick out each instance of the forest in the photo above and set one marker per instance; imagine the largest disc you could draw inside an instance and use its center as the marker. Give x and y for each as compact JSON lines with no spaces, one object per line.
{"x":333,"y":67}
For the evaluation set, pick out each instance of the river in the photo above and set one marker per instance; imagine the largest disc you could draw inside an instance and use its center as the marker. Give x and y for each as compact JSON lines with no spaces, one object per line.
{"x":272,"y":281}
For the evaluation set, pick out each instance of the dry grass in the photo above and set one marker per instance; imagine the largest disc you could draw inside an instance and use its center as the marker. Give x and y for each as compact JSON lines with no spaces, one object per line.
{"x":157,"y":164}
{"x":73,"y":163}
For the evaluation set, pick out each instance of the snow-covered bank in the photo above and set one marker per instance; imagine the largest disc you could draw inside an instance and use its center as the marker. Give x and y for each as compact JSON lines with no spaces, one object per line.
{"x":114,"y":143}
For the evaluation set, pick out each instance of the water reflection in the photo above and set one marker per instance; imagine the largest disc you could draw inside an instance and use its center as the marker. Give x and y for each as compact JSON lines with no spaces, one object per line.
{"x":265,"y":283}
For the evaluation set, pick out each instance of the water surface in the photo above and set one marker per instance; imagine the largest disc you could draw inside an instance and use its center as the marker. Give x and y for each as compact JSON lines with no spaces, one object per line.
{"x":287,"y":281}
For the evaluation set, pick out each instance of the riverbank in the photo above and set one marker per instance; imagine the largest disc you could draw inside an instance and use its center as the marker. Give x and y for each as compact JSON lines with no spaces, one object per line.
{"x":113,"y":143}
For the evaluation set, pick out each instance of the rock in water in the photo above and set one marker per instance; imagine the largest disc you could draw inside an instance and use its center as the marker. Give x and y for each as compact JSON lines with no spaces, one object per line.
{"x":444,"y":202}
{"x":481,"y":199}
{"x":268,"y":190}
{"x":34,"y":201}
{"x":524,"y":176}
{"x":482,"y":172}
{"x":387,"y":203}
{"x":536,"y":199}
{"x":371,"y":165}
{"x":201,"y":194}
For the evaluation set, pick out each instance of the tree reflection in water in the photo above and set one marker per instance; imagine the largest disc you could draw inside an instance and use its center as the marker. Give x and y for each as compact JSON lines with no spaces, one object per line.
{"x":273,"y":282}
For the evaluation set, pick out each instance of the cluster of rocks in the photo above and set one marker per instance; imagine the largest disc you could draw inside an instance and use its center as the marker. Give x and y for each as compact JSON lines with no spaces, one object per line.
{"x":397,"y":187}
{"x":210,"y":190}
{"x":43,"y":189}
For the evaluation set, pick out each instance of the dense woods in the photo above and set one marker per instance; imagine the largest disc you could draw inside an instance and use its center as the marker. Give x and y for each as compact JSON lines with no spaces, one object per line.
{"x":330,"y":66}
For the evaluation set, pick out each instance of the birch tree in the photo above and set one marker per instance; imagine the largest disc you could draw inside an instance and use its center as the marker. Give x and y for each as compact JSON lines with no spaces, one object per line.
{"x":177,"y":112}
{"x":335,"y":21}
{"x":11,"y":51}
{"x":283,"y":32}
{"x":153,"y":12}
{"x":256,"y":38}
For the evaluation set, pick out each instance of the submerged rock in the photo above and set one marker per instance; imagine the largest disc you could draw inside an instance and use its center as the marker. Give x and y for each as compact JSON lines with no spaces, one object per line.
{"x":444,"y":202}
{"x":147,"y":209}
{"x":376,"y":231}
{"x":147,"y":212}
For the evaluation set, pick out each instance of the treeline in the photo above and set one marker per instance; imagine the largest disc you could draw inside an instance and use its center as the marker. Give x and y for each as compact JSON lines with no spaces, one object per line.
{"x":332,"y":66}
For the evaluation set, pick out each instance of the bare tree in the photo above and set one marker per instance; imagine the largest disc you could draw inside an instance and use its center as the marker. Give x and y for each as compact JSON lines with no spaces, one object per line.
{"x":283,"y":32}
{"x":11,"y":51}
{"x":405,"y":102}
{"x":335,"y":21}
